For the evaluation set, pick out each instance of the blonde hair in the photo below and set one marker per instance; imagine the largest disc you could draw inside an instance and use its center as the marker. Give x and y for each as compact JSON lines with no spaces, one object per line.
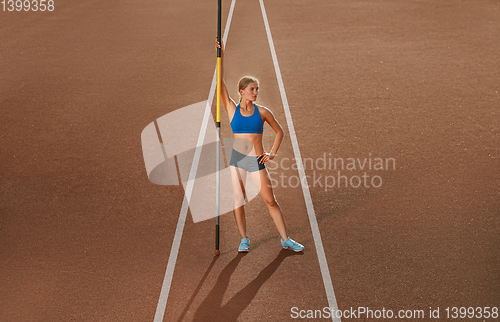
{"x":244,"y":82}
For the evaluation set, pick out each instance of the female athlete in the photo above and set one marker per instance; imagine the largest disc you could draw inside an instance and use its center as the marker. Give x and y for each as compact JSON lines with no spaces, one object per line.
{"x":248,"y":156}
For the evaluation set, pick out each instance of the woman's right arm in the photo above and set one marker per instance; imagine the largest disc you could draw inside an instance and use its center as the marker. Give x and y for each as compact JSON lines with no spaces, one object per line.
{"x":228,"y":102}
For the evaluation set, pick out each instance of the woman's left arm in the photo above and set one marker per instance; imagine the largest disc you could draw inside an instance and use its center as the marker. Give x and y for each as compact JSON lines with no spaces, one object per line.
{"x":268,"y":117}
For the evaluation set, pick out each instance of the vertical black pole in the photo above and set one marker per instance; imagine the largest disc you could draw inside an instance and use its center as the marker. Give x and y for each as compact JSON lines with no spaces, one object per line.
{"x":219,"y":72}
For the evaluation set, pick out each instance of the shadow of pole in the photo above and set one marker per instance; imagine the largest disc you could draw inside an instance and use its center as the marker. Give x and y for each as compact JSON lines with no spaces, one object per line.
{"x":207,"y":311}
{"x":197,"y":289}
{"x":212,"y":310}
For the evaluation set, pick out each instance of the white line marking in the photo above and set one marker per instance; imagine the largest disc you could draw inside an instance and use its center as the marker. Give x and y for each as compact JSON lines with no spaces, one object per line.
{"x":325,"y":272}
{"x":174,"y":251}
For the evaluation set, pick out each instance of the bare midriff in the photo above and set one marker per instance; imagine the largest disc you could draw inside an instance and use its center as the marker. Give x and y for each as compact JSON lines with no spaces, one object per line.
{"x":248,"y":143}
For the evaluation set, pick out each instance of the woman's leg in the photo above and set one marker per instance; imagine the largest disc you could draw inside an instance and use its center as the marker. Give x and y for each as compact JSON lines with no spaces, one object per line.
{"x":238,"y":177}
{"x":262,"y":181}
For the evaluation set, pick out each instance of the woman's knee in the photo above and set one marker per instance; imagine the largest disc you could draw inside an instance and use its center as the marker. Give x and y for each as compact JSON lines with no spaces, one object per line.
{"x":271,"y":202}
{"x":239,"y":194}
{"x":239,"y":200}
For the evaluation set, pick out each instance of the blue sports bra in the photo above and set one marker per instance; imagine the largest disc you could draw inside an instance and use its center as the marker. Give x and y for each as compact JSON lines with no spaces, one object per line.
{"x":247,"y":124}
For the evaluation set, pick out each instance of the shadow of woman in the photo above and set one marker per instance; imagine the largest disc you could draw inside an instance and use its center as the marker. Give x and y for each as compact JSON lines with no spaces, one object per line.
{"x":212,"y":310}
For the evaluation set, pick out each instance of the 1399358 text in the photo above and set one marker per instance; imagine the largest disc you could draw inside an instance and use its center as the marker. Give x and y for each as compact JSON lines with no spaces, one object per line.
{"x":28,"y":5}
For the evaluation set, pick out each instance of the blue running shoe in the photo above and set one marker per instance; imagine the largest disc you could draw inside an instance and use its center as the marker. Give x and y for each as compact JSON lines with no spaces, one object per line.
{"x":244,"y":245}
{"x":292,"y":244}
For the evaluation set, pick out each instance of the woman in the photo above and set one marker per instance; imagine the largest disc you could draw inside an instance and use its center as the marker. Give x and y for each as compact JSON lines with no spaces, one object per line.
{"x":248,"y":156}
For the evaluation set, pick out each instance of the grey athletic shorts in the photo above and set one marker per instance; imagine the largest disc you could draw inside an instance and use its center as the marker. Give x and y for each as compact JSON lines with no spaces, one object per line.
{"x":247,"y":162}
